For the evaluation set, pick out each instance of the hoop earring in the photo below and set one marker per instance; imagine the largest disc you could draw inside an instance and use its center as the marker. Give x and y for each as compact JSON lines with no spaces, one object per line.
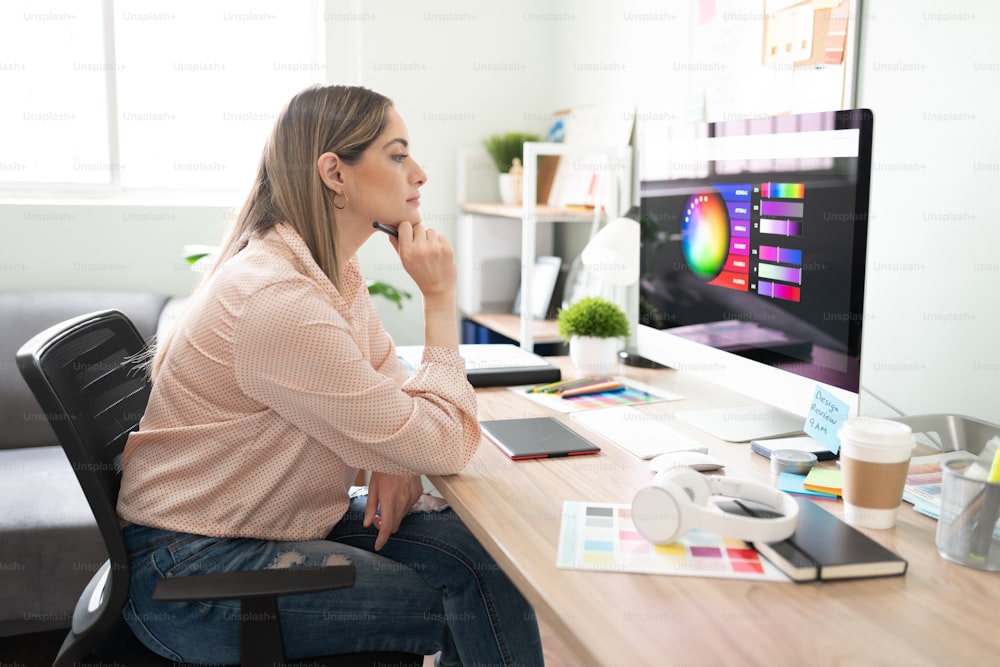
{"x":341,"y":207}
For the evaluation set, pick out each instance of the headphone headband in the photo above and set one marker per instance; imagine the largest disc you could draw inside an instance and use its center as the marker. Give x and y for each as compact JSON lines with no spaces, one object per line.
{"x":677,"y":501}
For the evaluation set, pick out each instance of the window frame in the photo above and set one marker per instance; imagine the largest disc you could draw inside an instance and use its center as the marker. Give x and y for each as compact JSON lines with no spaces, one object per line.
{"x":114,"y":192}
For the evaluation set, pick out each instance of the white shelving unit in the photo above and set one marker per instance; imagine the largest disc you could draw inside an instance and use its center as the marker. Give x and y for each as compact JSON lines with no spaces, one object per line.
{"x":616,"y":201}
{"x":486,"y":238}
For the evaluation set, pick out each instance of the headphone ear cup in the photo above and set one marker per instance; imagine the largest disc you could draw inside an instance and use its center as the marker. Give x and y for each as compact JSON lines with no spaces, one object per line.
{"x":662,"y":512}
{"x":690,"y":481}
{"x":659,"y":513}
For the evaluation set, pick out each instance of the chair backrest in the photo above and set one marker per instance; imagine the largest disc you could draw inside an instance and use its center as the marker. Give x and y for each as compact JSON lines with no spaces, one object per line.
{"x":23,"y":313}
{"x":84,"y":375}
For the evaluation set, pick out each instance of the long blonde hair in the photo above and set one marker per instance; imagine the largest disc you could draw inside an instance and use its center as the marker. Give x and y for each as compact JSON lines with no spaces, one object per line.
{"x":340,"y":119}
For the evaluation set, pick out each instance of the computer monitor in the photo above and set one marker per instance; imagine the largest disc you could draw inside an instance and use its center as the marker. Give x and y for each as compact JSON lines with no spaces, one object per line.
{"x":754,"y":237}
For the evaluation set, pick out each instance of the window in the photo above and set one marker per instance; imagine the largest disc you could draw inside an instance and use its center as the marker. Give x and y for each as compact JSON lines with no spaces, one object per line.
{"x":125,"y":95}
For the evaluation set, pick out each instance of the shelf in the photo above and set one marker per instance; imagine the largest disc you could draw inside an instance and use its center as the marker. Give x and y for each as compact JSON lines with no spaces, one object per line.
{"x":616,"y":200}
{"x":488,"y":265}
{"x":542,"y":213}
{"x":509,"y":325}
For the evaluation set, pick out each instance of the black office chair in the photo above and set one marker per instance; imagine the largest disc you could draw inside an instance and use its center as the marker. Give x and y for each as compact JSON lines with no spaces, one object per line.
{"x":84,"y":376}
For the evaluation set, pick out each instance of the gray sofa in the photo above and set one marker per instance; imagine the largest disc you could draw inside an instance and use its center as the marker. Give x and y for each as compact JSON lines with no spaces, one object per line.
{"x":49,"y":542}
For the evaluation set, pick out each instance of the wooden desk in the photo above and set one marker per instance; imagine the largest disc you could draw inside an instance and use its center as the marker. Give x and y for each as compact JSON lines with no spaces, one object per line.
{"x":939,"y":613}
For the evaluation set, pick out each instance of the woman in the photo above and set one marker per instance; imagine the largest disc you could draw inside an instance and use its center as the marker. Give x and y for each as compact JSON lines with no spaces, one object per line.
{"x":279,"y":383}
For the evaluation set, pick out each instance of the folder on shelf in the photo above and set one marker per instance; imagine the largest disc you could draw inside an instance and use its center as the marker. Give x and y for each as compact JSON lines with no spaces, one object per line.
{"x":493,"y":365}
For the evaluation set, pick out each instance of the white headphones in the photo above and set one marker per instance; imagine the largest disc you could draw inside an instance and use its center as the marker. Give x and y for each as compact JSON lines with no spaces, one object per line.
{"x":677,"y":501}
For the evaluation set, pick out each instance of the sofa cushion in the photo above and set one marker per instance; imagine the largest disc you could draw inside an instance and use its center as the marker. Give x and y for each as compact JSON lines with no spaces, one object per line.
{"x":26,"y":313}
{"x":50,"y":545}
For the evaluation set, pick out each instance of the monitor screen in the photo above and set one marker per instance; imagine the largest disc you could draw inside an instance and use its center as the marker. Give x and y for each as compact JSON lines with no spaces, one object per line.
{"x":754,"y":236}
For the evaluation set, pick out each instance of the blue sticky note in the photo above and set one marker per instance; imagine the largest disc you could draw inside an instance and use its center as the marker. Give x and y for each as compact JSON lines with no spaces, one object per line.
{"x":792,"y":483}
{"x":827,"y":414}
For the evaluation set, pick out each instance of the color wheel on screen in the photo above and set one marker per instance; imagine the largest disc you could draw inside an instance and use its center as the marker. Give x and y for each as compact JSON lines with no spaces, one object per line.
{"x":705,"y":234}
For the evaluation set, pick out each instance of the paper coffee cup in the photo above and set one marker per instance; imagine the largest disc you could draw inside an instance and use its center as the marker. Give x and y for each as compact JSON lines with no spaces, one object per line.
{"x":874,"y":461}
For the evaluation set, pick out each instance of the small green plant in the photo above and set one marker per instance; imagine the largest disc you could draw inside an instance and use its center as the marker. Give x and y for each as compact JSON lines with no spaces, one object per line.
{"x":503,"y":148}
{"x":592,"y":316}
{"x":394,"y":294}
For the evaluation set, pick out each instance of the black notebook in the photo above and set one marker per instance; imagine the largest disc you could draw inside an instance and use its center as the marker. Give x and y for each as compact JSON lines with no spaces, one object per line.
{"x":824,"y":547}
{"x":492,"y":365}
{"x":536,"y":438}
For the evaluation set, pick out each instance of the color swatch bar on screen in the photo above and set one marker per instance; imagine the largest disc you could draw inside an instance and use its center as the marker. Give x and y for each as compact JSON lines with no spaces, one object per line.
{"x":732,"y":280}
{"x":737,"y":264}
{"x":782,"y":227}
{"x":778,"y":290}
{"x":783,"y":190}
{"x":792,"y":209}
{"x":770,"y":253}
{"x":734,"y":191}
{"x":786,"y":274}
{"x":738,"y":210}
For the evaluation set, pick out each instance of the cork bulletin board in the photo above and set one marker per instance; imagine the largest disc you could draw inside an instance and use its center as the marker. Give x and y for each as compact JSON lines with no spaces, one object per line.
{"x":770,"y":57}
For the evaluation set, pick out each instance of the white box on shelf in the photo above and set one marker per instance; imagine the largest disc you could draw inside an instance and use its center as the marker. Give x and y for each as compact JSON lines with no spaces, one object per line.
{"x":488,"y":255}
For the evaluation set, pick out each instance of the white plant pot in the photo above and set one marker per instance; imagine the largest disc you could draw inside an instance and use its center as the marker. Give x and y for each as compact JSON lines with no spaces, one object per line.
{"x":594,"y":356}
{"x":510,"y":188}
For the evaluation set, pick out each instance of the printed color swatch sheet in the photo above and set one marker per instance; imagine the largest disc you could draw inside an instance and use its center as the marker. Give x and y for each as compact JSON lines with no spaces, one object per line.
{"x":635,"y":393}
{"x":601,"y":536}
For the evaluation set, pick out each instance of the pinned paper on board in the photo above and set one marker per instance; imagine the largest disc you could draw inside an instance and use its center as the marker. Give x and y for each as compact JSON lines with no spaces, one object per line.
{"x":827,"y":414}
{"x":788,"y":35}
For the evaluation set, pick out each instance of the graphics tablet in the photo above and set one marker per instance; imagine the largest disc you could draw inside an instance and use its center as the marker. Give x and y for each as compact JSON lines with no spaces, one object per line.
{"x":536,"y":438}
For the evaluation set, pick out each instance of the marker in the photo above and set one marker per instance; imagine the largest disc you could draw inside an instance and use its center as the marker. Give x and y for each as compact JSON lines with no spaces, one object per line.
{"x":385,"y":228}
{"x":556,"y":387}
{"x":596,"y":388}
{"x":982,"y":534}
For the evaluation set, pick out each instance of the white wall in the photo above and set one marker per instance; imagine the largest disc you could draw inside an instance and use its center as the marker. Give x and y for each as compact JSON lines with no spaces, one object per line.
{"x":83,"y":246}
{"x":460,"y":71}
{"x":457,"y":72}
{"x":931,"y":73}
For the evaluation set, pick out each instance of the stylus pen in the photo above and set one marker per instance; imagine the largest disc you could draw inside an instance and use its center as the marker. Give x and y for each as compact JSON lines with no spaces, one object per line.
{"x":385,"y":228}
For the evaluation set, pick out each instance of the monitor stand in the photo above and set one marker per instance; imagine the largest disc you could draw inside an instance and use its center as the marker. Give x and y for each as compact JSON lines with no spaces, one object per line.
{"x":743,"y":424}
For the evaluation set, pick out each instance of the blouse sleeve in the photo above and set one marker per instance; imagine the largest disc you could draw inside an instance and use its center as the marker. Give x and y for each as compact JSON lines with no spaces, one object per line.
{"x":297,"y":355}
{"x":383,"y":348}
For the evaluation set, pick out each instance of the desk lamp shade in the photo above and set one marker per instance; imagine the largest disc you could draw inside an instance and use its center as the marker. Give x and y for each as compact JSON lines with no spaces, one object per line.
{"x":613,"y":254}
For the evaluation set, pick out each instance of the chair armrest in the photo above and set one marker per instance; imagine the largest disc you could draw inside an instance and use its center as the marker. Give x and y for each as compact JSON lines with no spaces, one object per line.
{"x":254,"y":583}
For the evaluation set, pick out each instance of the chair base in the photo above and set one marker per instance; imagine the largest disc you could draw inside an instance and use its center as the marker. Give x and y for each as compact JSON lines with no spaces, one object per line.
{"x":122,"y":648}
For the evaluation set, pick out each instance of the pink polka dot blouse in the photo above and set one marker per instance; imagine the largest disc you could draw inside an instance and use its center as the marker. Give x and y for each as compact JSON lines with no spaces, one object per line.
{"x":276,"y":389}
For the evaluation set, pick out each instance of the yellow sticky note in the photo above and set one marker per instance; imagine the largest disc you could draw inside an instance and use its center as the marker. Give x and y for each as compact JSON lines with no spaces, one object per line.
{"x":826,"y":480}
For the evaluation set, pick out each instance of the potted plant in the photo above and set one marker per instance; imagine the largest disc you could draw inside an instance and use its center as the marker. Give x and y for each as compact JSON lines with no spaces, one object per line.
{"x":593,"y":327}
{"x":507,"y":150}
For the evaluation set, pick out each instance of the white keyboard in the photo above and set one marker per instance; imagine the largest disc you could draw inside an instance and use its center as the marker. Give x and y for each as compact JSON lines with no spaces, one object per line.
{"x":638,"y":433}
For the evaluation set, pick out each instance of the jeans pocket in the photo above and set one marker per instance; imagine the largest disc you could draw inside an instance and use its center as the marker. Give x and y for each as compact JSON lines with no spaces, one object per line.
{"x":196,"y":554}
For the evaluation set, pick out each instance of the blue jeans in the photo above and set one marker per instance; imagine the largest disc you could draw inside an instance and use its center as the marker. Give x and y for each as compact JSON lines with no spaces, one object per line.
{"x":431,"y":588}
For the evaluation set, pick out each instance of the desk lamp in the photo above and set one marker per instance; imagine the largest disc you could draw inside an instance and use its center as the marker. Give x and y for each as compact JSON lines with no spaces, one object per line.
{"x":612,"y":255}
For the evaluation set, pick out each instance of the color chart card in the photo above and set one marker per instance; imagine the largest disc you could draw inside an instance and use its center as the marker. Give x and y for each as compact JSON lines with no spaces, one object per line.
{"x":601,"y":536}
{"x":635,"y":393}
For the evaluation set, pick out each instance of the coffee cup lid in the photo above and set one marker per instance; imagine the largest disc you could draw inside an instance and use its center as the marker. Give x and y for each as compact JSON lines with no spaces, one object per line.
{"x":874,"y":431}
